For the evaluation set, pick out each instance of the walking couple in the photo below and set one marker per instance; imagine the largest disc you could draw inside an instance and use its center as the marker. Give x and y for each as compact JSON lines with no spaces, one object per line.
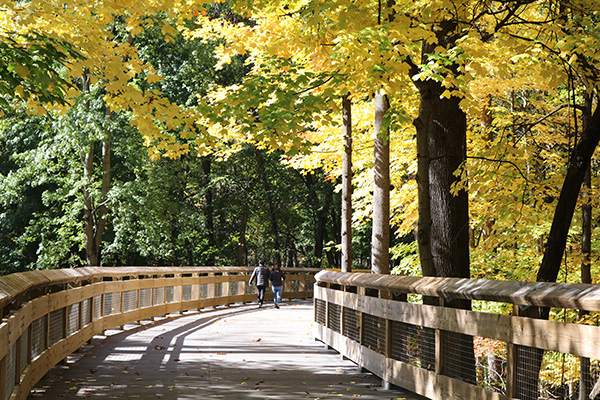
{"x":262,"y":275}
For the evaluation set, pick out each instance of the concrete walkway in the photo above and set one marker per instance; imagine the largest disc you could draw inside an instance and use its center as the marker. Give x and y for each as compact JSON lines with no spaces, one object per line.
{"x":237,"y":352}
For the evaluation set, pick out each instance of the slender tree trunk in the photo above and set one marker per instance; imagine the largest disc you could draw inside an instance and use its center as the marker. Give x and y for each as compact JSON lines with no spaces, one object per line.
{"x":380,"y":239}
{"x":347,"y":185}
{"x":209,"y":209}
{"x":269,"y":197}
{"x":585,"y":378}
{"x":241,"y":248}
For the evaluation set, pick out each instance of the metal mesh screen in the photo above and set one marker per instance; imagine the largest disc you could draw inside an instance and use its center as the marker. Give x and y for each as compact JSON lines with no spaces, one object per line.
{"x":57,"y":326}
{"x":145,"y":297}
{"x":11,"y":367}
{"x":413,"y":344}
{"x":310,"y":285}
{"x":159,"y":295}
{"x":97,"y":307}
{"x":186,"y":293}
{"x":528,"y":367}
{"x":250,"y":289}
{"x":589,"y":377}
{"x":351,"y":324}
{"x":39,"y":329}
{"x":130,"y":300}
{"x":234,"y":288}
{"x":374,"y":333}
{"x":490,"y":358}
{"x":112,"y":303}
{"x":170,"y":294}
{"x":203,"y":291}
{"x":218,"y":289}
{"x":24,"y":355}
{"x":86,"y":311}
{"x":295,"y":285}
{"x":72,"y":318}
{"x":334,"y":316}
{"x":458,"y":356}
{"x":320,"y":308}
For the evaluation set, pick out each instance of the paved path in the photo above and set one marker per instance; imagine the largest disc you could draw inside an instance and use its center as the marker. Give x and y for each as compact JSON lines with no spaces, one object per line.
{"x":237,"y":352}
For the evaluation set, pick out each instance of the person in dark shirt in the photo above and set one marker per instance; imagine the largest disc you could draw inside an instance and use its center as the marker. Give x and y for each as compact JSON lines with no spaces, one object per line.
{"x":277,"y":277}
{"x":261,"y":274}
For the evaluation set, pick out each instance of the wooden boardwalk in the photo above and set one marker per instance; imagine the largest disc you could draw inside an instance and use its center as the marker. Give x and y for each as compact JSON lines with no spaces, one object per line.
{"x":236,"y":352}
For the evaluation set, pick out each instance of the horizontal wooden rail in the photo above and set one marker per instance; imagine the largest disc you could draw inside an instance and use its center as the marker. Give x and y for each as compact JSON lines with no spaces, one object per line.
{"x":437,"y":351}
{"x":47,"y":315}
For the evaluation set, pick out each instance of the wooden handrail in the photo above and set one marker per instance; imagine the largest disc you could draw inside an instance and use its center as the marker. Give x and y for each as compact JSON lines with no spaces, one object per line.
{"x":543,"y":294}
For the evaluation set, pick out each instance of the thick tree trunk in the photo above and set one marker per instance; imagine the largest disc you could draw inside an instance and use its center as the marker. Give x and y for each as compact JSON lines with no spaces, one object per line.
{"x":347,"y":185}
{"x":380,"y":239}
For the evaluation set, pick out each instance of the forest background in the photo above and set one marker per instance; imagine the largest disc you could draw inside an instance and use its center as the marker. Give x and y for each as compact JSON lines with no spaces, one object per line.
{"x":196,"y":133}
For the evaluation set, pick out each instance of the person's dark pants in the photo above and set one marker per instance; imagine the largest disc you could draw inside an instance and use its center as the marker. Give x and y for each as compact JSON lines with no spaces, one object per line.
{"x":261,"y":292}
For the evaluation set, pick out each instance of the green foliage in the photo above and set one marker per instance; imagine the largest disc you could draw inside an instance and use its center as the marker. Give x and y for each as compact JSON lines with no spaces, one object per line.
{"x":31,"y":66}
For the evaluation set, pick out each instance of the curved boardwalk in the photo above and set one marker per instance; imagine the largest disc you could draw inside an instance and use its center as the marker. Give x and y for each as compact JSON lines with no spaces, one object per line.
{"x":237,"y":352}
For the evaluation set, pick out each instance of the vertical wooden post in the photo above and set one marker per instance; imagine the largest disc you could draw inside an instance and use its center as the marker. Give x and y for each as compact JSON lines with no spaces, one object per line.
{"x":3,"y":374}
{"x":19,"y":345}
{"x":511,"y":364}
{"x":361,"y":318}
{"x":439,"y":347}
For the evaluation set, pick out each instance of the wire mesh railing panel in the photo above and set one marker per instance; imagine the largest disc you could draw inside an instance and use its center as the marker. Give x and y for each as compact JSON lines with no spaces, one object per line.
{"x":320,"y":311}
{"x":413,"y":344}
{"x":589,"y":378}
{"x":97,"y":314}
{"x":56,"y":326}
{"x":24,"y":349}
{"x":218,"y":289}
{"x":130,"y":300}
{"x":112,"y":303}
{"x":458,"y":356}
{"x":145,"y":297}
{"x":11,"y":370}
{"x":170,"y":294}
{"x":203,"y":291}
{"x":39,"y":329}
{"x":250,"y":289}
{"x":72,"y":318}
{"x":565,"y":376}
{"x":310,"y":285}
{"x":234,"y":288}
{"x":86,"y":311}
{"x":186,"y":293}
{"x":295,"y":286}
{"x":528,"y":362}
{"x":334,"y":317}
{"x":374,"y":333}
{"x":491,"y":364}
{"x":159,"y":295}
{"x":351,"y":324}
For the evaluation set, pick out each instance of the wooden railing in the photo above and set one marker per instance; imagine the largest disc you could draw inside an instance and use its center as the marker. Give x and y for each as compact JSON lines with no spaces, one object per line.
{"x":47,"y":315}
{"x":447,"y":353}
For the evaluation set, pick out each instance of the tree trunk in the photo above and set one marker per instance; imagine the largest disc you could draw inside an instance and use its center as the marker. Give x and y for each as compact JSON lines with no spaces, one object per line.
{"x":585,"y":378}
{"x":269,"y":197}
{"x":209,"y":209}
{"x":241,"y":248}
{"x":347,"y":185}
{"x":380,"y":239}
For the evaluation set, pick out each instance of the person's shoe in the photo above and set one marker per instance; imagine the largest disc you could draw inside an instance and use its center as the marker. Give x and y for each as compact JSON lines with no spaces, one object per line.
{"x":276,"y":306}
{"x":260,"y":305}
